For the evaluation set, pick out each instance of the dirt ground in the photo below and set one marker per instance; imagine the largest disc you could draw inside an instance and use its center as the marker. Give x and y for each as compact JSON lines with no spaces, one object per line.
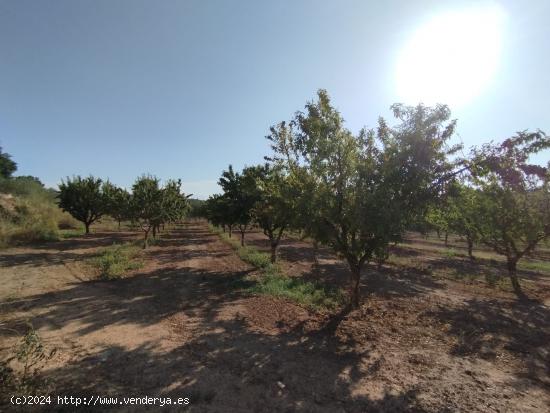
{"x":181,"y":327}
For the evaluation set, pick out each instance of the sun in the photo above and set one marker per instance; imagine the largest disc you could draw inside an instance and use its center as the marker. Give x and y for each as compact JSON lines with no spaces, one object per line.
{"x":451,"y":58}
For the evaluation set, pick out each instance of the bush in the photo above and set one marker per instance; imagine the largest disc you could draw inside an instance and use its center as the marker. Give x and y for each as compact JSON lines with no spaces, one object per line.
{"x":26,"y":221}
{"x":28,"y":213}
{"x":20,"y":372}
{"x":114,"y":261}
{"x":307,"y":293}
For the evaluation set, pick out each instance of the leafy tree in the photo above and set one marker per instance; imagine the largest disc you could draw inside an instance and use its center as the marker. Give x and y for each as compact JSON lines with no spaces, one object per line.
{"x":461,"y":214}
{"x":145,"y":204}
{"x":240,"y":193}
{"x":118,"y":202}
{"x":174,"y":205}
{"x":197,"y":208}
{"x":216,"y":211}
{"x":274,"y":209}
{"x":437,"y":218}
{"x":7,"y":165}
{"x":364,"y":190}
{"x":83,"y":198}
{"x":511,"y":208}
{"x":152,"y":205}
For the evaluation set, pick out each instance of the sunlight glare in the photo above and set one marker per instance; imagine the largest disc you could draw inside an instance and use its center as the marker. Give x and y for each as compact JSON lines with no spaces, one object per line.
{"x":452,"y":57}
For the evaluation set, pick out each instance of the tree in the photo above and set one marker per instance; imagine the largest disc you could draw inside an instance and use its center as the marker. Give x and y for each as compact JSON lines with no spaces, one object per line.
{"x":240,"y":193}
{"x":197,"y":208}
{"x":364,"y":190}
{"x":118,"y":202}
{"x":7,"y":165}
{"x":174,"y":205}
{"x":216,"y":211}
{"x":152,"y":205}
{"x":145,"y":204}
{"x":83,"y":198}
{"x":511,"y":211}
{"x":461,"y":214}
{"x":274,"y":208}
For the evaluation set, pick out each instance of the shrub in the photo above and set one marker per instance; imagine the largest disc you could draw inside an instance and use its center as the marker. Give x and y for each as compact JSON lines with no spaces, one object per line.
{"x":27,"y":221}
{"x":304,"y":292}
{"x":114,"y":261}
{"x":28,"y":358}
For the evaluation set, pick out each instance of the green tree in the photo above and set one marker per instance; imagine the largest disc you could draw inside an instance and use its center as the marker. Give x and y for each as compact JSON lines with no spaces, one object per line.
{"x":83,"y":198}
{"x":7,"y":165}
{"x":240,"y":193}
{"x":274,"y":208}
{"x":461,"y":214}
{"x":145,"y":204}
{"x":363,"y":191}
{"x":118,"y":202}
{"x":216,"y":211}
{"x":174,"y":205}
{"x":511,"y":212}
{"x":152,"y":205}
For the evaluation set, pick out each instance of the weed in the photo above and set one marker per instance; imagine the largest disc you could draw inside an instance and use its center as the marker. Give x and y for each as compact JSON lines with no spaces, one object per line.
{"x":30,"y":357}
{"x":538,"y":266}
{"x":303,"y":292}
{"x":71,"y":233}
{"x":114,"y":261}
{"x":450,"y":253}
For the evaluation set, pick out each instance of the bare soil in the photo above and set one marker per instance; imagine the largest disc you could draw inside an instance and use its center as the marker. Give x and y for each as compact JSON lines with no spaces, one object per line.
{"x":181,"y":326}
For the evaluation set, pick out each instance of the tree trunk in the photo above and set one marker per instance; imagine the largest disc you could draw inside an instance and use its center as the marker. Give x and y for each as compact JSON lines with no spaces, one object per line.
{"x":154,"y":231}
{"x":446,"y":238}
{"x":354,"y":287}
{"x":230,"y":230}
{"x":470,"y":248}
{"x":242,"y":238}
{"x":223,"y":228}
{"x":87,"y":225}
{"x":118,"y":224}
{"x":315,"y":252}
{"x":146,"y":239}
{"x":512,"y":273}
{"x":273,"y":252}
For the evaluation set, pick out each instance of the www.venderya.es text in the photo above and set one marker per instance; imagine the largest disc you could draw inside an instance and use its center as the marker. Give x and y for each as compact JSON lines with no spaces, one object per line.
{"x":99,"y":401}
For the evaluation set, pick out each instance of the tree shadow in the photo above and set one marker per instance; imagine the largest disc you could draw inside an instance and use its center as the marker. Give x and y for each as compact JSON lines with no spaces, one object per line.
{"x":490,"y":328}
{"x":232,"y":368}
{"x":143,"y":299}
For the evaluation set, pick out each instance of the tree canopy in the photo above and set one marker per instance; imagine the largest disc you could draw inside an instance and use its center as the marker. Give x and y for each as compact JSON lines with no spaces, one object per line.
{"x":362,"y":191}
{"x":7,"y":165}
{"x":84,"y":199}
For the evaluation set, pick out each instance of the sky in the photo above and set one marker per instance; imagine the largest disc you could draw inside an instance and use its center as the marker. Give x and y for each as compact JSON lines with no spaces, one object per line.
{"x":181,"y":89}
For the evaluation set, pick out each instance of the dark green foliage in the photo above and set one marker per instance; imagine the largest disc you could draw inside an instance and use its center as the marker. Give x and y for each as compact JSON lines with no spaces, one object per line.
{"x":7,"y":165}
{"x":275,"y":207}
{"x":197,"y":208}
{"x":152,"y":205}
{"x":118,"y":202}
{"x":240,"y":194}
{"x":84,"y":199}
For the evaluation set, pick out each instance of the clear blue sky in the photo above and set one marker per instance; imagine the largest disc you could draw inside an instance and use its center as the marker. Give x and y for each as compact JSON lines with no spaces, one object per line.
{"x":180,"y":89}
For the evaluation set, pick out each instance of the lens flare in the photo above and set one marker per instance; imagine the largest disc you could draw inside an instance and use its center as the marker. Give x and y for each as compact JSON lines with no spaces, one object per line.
{"x":452,"y":58}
